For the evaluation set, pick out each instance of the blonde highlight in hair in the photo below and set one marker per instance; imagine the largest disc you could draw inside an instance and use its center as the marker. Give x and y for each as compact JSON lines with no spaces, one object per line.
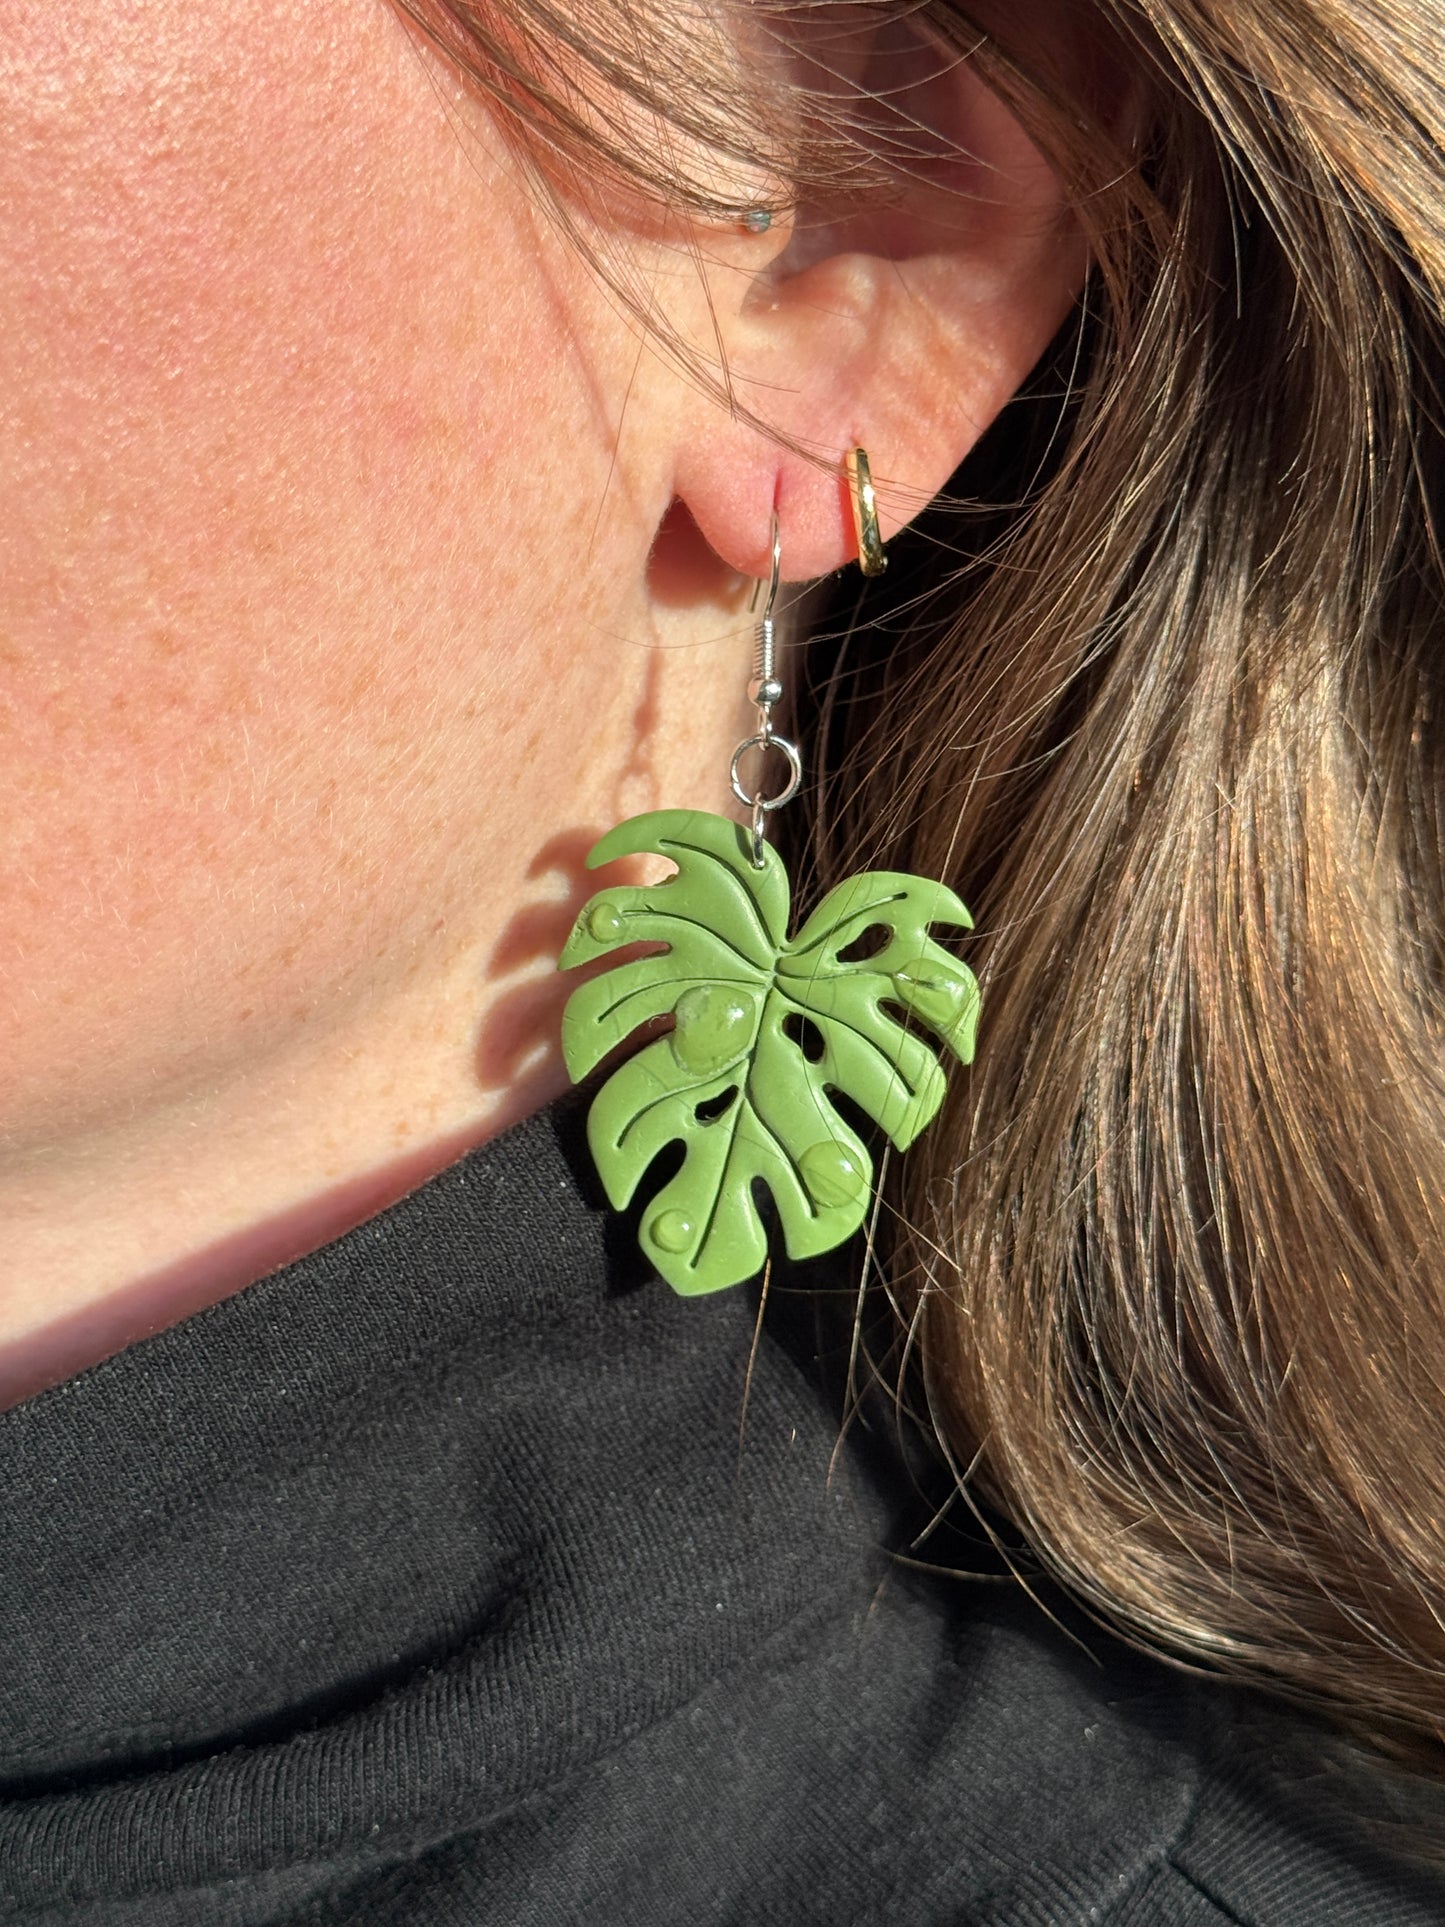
{"x":1174,"y":1257}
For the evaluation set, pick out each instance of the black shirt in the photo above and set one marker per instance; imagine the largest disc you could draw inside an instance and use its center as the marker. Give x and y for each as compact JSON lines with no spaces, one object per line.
{"x":455,"y":1575}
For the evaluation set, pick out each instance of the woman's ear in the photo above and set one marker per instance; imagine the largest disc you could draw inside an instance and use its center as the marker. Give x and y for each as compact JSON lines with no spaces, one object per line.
{"x":904,"y":322}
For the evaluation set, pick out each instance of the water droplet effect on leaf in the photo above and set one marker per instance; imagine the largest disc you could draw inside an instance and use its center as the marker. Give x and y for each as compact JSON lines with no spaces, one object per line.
{"x":832,"y":1174}
{"x":672,"y":1231}
{"x":936,"y":997}
{"x":773,"y":1040}
{"x":604,"y":921}
{"x":715,"y":1025}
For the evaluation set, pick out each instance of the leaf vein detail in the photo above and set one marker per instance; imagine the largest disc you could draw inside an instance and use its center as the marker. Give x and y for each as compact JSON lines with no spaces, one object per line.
{"x":824,"y":1018}
{"x":738,"y":888}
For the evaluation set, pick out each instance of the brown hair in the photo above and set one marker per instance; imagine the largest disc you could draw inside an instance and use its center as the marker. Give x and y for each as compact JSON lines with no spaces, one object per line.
{"x":1161,"y":698}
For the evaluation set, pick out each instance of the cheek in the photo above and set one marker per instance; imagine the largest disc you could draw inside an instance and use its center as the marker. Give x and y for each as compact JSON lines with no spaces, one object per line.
{"x":249,"y":365}
{"x":226,"y":267}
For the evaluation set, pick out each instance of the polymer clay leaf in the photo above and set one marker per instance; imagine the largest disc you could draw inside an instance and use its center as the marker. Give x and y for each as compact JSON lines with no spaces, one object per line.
{"x":765,"y":1029}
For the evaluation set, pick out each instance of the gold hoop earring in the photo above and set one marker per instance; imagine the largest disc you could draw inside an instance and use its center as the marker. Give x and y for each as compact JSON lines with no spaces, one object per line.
{"x":871,"y":559}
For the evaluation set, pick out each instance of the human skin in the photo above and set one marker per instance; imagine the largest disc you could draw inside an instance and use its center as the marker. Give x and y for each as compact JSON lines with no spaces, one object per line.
{"x":304,"y":630}
{"x":335,"y":621}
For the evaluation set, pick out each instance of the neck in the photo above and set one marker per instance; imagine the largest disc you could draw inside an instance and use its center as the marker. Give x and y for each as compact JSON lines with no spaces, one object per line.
{"x":132,"y":1222}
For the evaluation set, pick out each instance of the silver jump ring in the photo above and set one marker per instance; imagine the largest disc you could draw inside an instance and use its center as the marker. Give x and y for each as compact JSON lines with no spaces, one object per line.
{"x":795,"y":772}
{"x":760,"y":832}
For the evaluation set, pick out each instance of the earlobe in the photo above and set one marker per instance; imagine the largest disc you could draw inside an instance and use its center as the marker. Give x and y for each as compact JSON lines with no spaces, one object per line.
{"x":905,"y":329}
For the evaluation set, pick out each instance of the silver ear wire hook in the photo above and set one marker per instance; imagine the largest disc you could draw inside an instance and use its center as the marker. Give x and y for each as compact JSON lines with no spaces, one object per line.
{"x":765,"y":690}
{"x":774,"y":570}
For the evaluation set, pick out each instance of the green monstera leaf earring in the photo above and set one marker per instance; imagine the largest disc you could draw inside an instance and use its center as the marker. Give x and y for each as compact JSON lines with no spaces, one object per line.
{"x":766,"y":1028}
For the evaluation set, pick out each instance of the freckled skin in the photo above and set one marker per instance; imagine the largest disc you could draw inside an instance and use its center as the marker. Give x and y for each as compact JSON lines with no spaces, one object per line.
{"x":250,"y":633}
{"x":307,"y":648}
{"x":341,"y":606}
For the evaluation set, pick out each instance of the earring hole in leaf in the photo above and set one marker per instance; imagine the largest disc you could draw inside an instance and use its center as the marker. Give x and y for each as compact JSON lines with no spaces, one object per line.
{"x":803,"y":1032}
{"x":713,"y":1108}
{"x":868,"y":943}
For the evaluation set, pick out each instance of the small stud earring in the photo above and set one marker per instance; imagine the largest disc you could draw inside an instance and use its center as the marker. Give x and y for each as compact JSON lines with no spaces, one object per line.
{"x":755,"y":220}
